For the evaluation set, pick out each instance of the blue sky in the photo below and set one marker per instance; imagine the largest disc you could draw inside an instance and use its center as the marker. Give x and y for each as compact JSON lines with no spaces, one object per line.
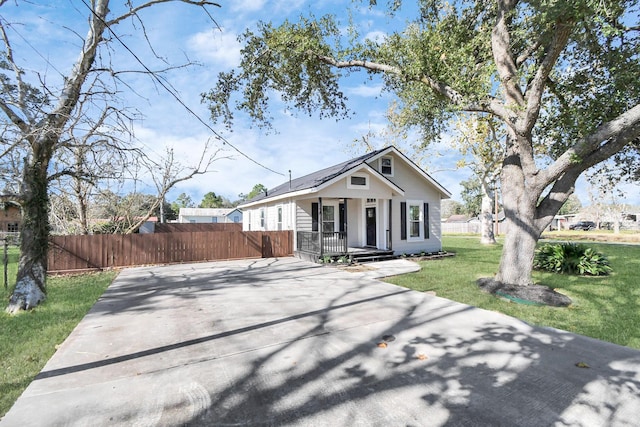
{"x":302,"y":144}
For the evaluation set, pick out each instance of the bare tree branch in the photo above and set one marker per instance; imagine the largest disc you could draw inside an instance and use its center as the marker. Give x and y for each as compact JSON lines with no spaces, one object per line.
{"x":171,"y":175}
{"x":134,"y":10}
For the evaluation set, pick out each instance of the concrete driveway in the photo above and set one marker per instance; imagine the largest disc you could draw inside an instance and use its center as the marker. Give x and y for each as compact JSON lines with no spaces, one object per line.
{"x":286,"y":342}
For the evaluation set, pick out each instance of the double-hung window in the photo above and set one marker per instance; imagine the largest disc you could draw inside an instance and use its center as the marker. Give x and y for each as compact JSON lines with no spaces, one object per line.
{"x":414,"y":220}
{"x":328,"y":219}
{"x":386,"y":166}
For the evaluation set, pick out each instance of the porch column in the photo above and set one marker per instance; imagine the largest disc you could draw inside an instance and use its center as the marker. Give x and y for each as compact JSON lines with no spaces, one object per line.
{"x":346,"y":233}
{"x":390,"y":225}
{"x":320,"y":226}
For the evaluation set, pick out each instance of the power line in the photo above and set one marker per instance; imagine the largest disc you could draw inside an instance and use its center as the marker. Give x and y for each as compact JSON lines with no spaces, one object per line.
{"x":175,"y":95}
{"x":24,"y":39}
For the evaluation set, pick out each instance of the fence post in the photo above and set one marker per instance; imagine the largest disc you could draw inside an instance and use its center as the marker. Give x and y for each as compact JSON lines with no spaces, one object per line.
{"x":6,"y":262}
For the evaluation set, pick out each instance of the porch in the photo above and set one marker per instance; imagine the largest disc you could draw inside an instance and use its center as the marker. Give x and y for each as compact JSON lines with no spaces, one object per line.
{"x":315,"y":244}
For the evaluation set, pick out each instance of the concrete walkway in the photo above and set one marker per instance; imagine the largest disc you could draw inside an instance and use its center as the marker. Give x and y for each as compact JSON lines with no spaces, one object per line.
{"x":286,"y":342}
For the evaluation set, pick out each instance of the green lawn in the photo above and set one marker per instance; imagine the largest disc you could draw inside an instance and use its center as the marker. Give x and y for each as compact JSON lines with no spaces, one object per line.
{"x":28,"y":340}
{"x":606,"y":308}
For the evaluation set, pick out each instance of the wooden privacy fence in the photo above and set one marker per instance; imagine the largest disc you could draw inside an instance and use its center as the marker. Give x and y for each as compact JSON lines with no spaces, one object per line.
{"x":95,"y":252}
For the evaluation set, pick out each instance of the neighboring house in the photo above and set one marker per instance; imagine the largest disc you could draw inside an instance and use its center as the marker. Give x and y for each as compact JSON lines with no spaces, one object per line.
{"x":561,"y":222}
{"x":457,"y":218}
{"x":10,"y":217}
{"x":201,"y":215}
{"x":379,"y":201}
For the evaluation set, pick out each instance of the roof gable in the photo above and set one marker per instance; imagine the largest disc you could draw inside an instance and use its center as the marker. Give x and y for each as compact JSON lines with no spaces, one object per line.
{"x":412,"y":165}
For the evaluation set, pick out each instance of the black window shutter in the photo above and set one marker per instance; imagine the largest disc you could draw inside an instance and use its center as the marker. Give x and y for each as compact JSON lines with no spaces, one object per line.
{"x":341,"y":216}
{"x":314,"y":217}
{"x":426,"y":220}
{"x":403,"y":220}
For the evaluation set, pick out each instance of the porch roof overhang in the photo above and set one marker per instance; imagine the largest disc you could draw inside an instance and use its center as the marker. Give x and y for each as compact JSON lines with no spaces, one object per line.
{"x":318,"y":188}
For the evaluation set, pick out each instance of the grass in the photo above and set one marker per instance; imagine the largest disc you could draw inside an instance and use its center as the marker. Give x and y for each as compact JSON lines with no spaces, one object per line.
{"x":625,"y":236}
{"x":605,"y":308}
{"x":28,"y":340}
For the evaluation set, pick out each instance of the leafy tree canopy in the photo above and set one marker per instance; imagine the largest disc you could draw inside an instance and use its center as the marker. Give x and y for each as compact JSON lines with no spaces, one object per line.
{"x":471,"y":196}
{"x":571,"y":206}
{"x":257,"y":189}
{"x":182,"y":201}
{"x":559,"y":77}
{"x":211,"y":200}
{"x":574,"y":65}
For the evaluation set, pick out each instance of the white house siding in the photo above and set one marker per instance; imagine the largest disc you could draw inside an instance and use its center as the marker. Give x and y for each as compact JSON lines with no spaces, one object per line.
{"x":303,"y":215}
{"x":415,"y":188}
{"x":252,"y":216}
{"x":377,"y":189}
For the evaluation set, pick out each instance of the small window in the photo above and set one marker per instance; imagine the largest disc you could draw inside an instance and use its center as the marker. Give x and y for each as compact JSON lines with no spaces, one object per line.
{"x":13,"y":227}
{"x":386,"y":166}
{"x":236,"y":218}
{"x":214,"y":219}
{"x":262,"y":218}
{"x":358,"y":181}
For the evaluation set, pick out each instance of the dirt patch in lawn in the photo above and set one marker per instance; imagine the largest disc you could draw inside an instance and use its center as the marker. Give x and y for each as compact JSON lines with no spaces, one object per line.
{"x":532,"y":294}
{"x":356,"y":268}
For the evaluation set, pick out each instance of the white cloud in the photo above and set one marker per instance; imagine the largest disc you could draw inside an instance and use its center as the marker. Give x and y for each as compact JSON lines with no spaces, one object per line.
{"x":218,"y":46}
{"x":376,"y":36}
{"x":365,"y":91}
{"x":248,"y":5}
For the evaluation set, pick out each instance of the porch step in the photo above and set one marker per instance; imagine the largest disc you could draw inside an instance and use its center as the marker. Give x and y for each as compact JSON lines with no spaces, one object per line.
{"x":372,"y":256}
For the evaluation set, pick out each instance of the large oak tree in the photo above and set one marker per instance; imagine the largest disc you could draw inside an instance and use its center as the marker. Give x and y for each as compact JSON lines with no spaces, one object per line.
{"x":561,"y":77}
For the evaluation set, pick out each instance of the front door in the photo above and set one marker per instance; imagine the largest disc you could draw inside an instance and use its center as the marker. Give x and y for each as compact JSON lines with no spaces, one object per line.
{"x":371,"y":227}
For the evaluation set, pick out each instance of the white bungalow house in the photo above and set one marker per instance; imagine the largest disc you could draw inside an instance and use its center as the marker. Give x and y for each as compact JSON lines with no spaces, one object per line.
{"x":209,"y":215}
{"x":381,"y":201}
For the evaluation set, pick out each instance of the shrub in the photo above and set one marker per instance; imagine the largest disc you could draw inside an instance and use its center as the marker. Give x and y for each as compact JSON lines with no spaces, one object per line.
{"x":326,"y":259}
{"x":571,"y":258}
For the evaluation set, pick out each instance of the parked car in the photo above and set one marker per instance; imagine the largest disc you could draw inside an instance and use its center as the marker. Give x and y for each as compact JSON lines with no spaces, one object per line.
{"x":583,"y":225}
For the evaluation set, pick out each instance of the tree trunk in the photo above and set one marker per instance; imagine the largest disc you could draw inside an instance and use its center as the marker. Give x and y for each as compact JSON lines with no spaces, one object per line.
{"x":523,"y":228}
{"x":486,"y":218}
{"x":32,"y":268}
{"x":616,"y":224}
{"x":516,"y":263}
